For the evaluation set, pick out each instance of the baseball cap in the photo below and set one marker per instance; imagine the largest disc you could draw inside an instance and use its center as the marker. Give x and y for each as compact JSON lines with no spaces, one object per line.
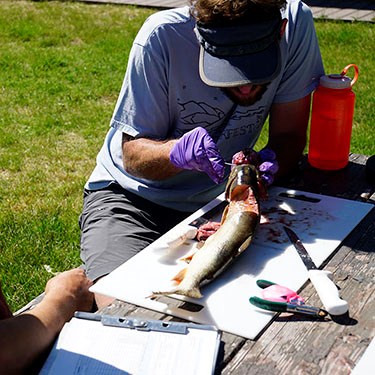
{"x":239,"y":54}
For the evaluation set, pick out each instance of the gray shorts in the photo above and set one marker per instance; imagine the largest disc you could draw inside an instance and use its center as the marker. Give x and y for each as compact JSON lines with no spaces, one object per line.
{"x":116,"y":224}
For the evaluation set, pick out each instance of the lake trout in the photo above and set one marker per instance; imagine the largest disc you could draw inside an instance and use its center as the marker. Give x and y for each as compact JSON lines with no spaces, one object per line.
{"x":238,"y":224}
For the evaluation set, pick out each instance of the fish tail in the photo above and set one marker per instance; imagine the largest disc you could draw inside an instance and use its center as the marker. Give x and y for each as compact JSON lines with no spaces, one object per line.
{"x":191,"y":292}
{"x":180,"y":289}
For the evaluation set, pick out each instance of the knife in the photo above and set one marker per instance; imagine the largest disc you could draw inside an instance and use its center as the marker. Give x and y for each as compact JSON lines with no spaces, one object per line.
{"x":322,"y":280}
{"x":189,"y":231}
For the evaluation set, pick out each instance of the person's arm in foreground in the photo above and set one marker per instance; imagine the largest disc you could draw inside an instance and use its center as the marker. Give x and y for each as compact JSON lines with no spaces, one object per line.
{"x":26,"y":337}
{"x":158,"y":160}
{"x":287,"y":132}
{"x":148,"y":158}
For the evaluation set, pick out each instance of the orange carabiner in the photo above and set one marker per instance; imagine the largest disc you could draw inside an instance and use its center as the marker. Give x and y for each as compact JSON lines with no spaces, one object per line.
{"x":345,"y":70}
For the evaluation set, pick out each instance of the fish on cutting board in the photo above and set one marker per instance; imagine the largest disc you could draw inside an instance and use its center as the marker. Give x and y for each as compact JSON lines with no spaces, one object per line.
{"x":239,"y":222}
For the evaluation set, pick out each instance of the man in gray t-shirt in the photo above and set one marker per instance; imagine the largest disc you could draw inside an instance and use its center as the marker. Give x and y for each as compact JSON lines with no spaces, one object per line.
{"x":199,"y":85}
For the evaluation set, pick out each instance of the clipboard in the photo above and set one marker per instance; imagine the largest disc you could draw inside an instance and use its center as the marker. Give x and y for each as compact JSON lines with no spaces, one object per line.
{"x":105,"y":344}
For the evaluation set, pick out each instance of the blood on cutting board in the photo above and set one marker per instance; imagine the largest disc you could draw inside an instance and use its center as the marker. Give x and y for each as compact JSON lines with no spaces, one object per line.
{"x":275,"y":217}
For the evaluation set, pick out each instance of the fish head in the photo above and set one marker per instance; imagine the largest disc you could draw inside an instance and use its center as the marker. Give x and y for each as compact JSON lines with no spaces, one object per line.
{"x":240,"y":179}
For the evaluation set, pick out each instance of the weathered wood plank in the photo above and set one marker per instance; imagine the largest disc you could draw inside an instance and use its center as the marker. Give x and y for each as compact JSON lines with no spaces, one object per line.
{"x":349,"y":183}
{"x":344,"y":14}
{"x":333,"y":9}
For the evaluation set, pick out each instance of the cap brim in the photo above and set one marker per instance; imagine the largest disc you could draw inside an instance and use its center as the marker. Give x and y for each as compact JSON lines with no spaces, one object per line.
{"x":229,"y":71}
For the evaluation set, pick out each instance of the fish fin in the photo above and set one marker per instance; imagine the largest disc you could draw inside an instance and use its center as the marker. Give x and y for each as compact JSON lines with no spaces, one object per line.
{"x":248,"y":240}
{"x":224,"y":215}
{"x":245,"y":245}
{"x":188,"y":257}
{"x":180,"y":276}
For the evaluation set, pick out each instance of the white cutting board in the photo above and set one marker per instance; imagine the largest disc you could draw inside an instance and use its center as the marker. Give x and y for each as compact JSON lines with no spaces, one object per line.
{"x":321,"y":222}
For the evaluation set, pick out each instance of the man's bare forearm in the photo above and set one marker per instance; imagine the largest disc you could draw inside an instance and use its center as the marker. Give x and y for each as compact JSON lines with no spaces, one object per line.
{"x":147,"y":158}
{"x":287,"y":133}
{"x":288,"y":157}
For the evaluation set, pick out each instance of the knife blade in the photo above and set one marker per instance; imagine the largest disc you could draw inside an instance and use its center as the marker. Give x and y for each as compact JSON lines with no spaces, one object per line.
{"x":189,"y":231}
{"x":321,"y":279}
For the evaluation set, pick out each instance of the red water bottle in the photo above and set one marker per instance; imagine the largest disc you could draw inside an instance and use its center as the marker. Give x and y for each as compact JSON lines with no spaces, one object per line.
{"x":332,"y":121}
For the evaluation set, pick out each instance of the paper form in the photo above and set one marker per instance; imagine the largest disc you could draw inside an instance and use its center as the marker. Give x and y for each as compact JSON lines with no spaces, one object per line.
{"x":88,"y":347}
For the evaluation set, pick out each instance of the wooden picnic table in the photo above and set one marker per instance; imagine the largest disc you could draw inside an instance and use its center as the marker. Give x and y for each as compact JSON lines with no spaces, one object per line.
{"x":294,"y":344}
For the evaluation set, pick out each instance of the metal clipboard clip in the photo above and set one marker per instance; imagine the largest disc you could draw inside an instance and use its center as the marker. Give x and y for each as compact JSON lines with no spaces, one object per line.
{"x":140,"y":324}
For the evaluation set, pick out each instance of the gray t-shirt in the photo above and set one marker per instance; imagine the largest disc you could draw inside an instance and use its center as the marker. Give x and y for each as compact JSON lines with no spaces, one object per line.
{"x":163,"y":97}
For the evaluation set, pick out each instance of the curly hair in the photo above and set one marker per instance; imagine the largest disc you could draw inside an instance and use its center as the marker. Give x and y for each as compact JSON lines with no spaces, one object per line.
{"x":224,"y":11}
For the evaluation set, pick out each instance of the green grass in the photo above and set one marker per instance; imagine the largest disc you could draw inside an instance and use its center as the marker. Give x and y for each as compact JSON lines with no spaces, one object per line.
{"x":61,"y":68}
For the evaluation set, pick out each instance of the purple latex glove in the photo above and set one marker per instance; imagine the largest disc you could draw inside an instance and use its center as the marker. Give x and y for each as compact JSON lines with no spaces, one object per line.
{"x":197,"y":150}
{"x":269,"y":165}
